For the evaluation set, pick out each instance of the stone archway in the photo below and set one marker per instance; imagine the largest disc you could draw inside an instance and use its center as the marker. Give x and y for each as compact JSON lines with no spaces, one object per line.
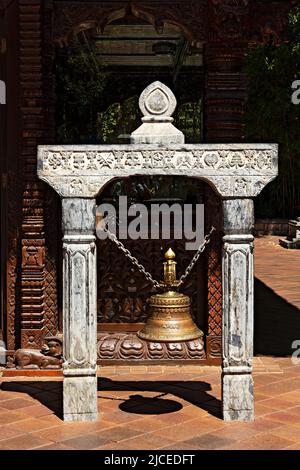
{"x":123,"y":291}
{"x":238,"y":172}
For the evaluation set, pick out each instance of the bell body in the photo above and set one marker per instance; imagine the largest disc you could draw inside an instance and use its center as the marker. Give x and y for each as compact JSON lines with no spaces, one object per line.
{"x":170,"y":319}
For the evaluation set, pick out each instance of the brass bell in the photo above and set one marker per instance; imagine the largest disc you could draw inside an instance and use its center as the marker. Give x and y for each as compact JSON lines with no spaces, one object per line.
{"x":170,"y":317}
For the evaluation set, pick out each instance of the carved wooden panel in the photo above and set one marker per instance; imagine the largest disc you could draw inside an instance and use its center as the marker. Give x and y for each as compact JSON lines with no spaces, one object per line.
{"x":53,"y":242}
{"x":12,"y":269}
{"x":214,"y":216}
{"x":38,"y":269}
{"x":213,"y":347}
{"x":123,"y":291}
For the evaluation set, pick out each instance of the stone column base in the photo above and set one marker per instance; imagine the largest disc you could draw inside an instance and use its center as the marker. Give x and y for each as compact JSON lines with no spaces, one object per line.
{"x":80,"y":398}
{"x":237,"y":396}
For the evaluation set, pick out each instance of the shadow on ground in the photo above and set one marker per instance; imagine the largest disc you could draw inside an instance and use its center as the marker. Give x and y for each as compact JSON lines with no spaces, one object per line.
{"x":48,"y":393}
{"x":276,"y":322}
{"x":195,"y":392}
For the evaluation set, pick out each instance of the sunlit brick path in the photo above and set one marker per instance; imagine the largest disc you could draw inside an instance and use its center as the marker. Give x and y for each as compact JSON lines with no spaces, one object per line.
{"x":278,"y":268}
{"x":28,"y":410}
{"x":177,"y":407}
{"x":277,"y":297}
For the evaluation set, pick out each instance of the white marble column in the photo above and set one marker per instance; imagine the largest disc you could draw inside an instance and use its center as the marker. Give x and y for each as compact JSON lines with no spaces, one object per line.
{"x":237,"y":328}
{"x":79,"y":310}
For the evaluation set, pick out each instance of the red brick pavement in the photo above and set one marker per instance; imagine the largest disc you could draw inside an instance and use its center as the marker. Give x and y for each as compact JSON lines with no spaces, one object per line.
{"x":277,"y":297}
{"x":177,"y":407}
{"x":278,"y":268}
{"x":138,"y":411}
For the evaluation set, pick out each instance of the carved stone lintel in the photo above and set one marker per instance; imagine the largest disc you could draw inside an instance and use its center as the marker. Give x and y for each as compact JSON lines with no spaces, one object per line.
{"x":79,"y":310}
{"x":235,"y":170}
{"x":237,"y":327}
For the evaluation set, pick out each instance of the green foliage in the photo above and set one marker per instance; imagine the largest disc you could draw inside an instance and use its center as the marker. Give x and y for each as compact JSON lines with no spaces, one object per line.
{"x":272,"y":117}
{"x":80,"y":81}
{"x":188,"y":118}
{"x":118,"y":121}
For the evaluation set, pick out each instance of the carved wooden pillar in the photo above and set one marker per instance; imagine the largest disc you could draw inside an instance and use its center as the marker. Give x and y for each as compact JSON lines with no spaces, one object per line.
{"x":11,"y":176}
{"x":79,"y":310}
{"x":237,"y":328}
{"x":32,"y":234}
{"x":37,"y":315}
{"x":225,"y":80}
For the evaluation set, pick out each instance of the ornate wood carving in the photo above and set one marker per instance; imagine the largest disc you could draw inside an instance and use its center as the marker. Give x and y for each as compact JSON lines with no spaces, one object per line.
{"x":52,"y":305}
{"x":188,"y":16}
{"x":214,"y":216}
{"x":53,"y":242}
{"x":127,"y":346}
{"x":37,"y":127}
{"x":14,"y":201}
{"x":227,"y":19}
{"x":225,"y":84}
{"x":123,"y":291}
{"x":213,"y":347}
{"x":33,"y":242}
{"x":49,"y":357}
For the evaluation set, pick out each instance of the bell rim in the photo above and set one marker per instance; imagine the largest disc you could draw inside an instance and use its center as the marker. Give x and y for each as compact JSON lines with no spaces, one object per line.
{"x":167,"y":339}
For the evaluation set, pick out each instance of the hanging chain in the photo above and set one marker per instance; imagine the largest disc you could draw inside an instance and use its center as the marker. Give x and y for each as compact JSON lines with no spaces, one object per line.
{"x":196,"y":256}
{"x":147,"y":275}
{"x":134,"y":261}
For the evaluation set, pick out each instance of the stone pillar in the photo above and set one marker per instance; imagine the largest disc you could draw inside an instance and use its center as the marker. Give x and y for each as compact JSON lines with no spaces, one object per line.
{"x":237,"y":327}
{"x":79,"y":310}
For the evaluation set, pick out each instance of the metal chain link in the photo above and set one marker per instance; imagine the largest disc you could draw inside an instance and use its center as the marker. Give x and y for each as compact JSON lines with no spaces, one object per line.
{"x":147,"y":275}
{"x":196,"y":256}
{"x":133,"y":259}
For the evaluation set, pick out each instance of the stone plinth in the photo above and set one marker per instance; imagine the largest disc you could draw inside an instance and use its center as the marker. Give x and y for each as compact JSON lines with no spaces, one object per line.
{"x":293,"y":239}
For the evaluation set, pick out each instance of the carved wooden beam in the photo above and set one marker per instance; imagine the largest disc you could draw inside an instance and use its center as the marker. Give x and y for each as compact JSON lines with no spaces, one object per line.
{"x":187,"y":16}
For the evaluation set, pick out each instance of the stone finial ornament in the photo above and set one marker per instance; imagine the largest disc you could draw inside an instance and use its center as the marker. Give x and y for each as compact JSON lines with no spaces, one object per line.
{"x":157,"y":103}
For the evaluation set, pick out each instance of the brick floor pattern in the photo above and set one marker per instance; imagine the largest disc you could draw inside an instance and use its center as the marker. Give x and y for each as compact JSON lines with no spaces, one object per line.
{"x":163,"y":407}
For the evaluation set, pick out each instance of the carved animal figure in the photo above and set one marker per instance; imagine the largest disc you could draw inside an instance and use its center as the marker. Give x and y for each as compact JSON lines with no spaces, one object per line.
{"x":33,"y":359}
{"x":52,"y":347}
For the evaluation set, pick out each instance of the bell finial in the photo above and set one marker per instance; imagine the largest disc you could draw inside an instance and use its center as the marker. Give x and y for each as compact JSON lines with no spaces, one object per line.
{"x":169,"y":254}
{"x":170,"y":269}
